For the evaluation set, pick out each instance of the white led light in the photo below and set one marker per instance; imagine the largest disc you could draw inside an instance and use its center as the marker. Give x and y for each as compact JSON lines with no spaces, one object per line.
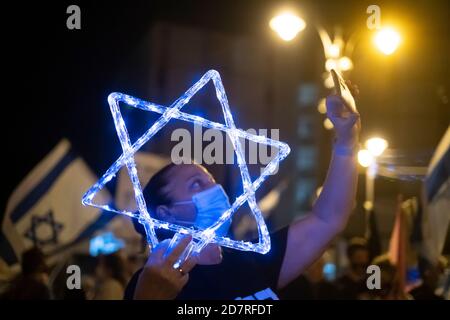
{"x":173,"y":112}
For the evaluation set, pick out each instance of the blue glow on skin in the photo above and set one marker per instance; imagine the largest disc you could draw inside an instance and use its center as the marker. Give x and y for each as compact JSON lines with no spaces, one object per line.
{"x":208,"y":235}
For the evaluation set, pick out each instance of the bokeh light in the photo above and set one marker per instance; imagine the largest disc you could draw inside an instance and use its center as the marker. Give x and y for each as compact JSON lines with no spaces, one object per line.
{"x":376,"y":146}
{"x":387,"y":40}
{"x":322,"y":107}
{"x":365,"y":158}
{"x":287,"y":25}
{"x":345,"y":64}
{"x":328,"y":124}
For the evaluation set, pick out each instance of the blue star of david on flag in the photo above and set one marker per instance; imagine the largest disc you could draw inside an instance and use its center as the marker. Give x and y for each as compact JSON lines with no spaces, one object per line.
{"x":173,"y":112}
{"x":38,"y":221}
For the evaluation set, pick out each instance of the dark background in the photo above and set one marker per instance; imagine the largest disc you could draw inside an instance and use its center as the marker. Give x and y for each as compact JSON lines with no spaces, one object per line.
{"x":58,"y":79}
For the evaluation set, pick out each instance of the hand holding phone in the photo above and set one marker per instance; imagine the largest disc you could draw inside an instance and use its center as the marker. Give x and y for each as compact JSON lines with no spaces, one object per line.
{"x":343,"y":91}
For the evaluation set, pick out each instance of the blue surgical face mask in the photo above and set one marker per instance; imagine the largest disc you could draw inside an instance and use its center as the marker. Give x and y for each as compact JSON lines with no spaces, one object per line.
{"x":210,"y":205}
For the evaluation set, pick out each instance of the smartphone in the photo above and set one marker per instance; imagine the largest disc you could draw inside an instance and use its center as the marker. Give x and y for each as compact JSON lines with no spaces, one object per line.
{"x":342,"y":90}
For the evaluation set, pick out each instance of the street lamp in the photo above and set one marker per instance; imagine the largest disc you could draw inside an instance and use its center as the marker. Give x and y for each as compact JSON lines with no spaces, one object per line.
{"x":337,"y":52}
{"x":287,"y":25}
{"x":337,"y":55}
{"x":376,"y":146}
{"x":368,"y":159}
{"x":345,"y":63}
{"x":365,"y":158}
{"x":387,"y":40}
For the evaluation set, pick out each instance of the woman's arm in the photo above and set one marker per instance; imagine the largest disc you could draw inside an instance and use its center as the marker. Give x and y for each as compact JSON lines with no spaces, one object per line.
{"x":309,"y":237}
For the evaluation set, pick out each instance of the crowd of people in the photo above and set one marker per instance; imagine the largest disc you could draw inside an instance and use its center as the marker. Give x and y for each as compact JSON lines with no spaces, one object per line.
{"x":110,"y":274}
{"x":352,"y":283}
{"x":113,"y":272}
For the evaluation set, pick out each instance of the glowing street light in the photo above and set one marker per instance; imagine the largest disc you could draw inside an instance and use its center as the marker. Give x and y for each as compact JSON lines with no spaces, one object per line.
{"x":376,"y":146}
{"x":368,"y":159}
{"x":387,"y":40}
{"x":345,"y":63}
{"x":322,"y":106}
{"x":333,"y":51}
{"x":331,"y":64}
{"x":287,"y":25}
{"x":328,"y":124}
{"x":365,"y":158}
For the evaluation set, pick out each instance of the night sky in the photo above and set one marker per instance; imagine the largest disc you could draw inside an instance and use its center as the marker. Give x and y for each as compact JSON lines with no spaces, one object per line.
{"x":60,"y":78}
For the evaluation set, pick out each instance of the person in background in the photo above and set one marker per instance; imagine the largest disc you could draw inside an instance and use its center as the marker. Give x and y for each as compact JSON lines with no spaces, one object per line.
{"x":133,"y":264}
{"x":6,"y":276}
{"x":74,"y":294}
{"x":390,"y":284}
{"x":110,"y":274}
{"x":353,"y":283}
{"x":311,"y":285}
{"x":430,"y":274}
{"x":32,"y":283}
{"x":88,"y":284}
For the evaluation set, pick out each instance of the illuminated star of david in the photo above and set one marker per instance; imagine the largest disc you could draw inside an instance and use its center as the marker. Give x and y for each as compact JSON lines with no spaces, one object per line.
{"x":173,"y":112}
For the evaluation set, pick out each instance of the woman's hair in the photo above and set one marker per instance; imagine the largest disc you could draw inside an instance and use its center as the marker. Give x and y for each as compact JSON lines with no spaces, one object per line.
{"x":153,"y":192}
{"x":155,"y":195}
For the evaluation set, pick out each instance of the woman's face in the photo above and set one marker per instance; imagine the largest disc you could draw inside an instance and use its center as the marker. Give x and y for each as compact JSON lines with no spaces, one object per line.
{"x":185,"y":181}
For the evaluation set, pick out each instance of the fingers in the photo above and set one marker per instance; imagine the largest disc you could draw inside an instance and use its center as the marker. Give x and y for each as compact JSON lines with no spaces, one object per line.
{"x":184,"y":280}
{"x":178,"y":250}
{"x":354,"y":117}
{"x":334,"y":105}
{"x":353,"y":88}
{"x":337,"y":107}
{"x":158,"y":251}
{"x":189,"y":264}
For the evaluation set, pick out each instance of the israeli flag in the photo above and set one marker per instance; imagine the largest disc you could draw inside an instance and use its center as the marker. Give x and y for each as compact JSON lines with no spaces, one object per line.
{"x":45,"y":210}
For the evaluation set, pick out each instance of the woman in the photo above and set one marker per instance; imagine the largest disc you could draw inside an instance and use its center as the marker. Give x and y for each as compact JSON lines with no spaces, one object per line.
{"x":32,"y":283}
{"x":188,"y":194}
